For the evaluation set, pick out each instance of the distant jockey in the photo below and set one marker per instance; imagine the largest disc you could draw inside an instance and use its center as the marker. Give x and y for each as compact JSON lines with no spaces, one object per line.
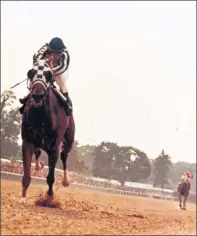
{"x":186,"y":176}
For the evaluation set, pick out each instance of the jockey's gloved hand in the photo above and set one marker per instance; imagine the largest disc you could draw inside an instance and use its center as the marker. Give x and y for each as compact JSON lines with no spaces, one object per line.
{"x":52,"y":83}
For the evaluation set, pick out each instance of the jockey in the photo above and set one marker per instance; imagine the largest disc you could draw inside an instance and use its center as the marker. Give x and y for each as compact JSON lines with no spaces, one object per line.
{"x":58,"y":57}
{"x":186,"y":176}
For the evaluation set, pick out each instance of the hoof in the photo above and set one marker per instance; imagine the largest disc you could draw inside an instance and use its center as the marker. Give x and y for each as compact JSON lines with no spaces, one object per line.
{"x":65,"y":183}
{"x":39,"y":166}
{"x":49,"y":199}
{"x":23,"y":200}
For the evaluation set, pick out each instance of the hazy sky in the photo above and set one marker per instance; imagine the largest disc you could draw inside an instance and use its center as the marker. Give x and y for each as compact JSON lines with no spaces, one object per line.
{"x":133,"y":67}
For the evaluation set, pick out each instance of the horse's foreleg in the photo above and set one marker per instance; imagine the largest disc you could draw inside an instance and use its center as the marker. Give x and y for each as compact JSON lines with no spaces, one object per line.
{"x":67,"y":146}
{"x":27,"y":153}
{"x":39,"y":164}
{"x":52,"y":160}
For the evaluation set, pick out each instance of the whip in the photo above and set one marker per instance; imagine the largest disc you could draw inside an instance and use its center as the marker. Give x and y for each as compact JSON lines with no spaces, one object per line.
{"x":18,"y":83}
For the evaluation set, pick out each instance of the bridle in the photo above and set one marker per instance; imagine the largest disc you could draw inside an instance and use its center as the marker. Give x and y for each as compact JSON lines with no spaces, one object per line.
{"x":39,"y":78}
{"x":44,"y":85}
{"x":40,"y":81}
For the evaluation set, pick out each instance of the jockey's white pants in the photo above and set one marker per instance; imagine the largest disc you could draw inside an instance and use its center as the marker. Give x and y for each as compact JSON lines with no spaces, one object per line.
{"x":61,"y":81}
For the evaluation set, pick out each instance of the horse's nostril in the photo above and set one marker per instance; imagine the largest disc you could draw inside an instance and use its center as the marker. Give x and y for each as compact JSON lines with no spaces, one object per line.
{"x":37,"y":97}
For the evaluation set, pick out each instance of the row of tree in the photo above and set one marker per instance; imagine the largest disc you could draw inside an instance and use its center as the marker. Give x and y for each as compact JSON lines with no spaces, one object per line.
{"x":106,"y":160}
{"x":110,"y":161}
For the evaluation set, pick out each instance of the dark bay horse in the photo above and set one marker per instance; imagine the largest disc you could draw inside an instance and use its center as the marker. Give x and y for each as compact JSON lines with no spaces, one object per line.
{"x":183,"y":191}
{"x":45,"y":125}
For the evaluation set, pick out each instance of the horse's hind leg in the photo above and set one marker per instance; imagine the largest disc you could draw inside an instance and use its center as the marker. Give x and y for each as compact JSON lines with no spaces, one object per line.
{"x":180,"y":203}
{"x":52,"y":160}
{"x":27,"y":152}
{"x":67,"y":146}
{"x":64,"y":156}
{"x":39,"y":165}
{"x":184,"y":202}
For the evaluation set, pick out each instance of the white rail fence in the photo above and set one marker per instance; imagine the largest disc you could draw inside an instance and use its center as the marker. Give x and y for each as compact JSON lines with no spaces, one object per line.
{"x":138,"y":192}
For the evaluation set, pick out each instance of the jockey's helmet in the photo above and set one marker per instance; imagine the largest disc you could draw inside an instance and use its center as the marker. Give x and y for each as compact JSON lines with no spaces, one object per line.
{"x":188,"y":174}
{"x":56,"y":45}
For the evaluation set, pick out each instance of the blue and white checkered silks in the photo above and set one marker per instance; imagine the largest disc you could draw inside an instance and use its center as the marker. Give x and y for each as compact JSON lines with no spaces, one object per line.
{"x":40,"y":67}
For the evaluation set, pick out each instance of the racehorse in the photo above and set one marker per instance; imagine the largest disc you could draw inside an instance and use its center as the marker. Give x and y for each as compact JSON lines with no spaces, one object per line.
{"x":183,"y":191}
{"x":45,"y":125}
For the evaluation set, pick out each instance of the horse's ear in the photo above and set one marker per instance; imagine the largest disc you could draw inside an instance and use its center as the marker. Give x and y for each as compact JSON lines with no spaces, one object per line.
{"x":48,"y":76}
{"x":31,"y":73}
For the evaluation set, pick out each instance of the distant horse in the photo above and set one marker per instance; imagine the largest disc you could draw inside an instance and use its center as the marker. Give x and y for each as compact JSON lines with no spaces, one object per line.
{"x":183,"y":191}
{"x":45,"y":125}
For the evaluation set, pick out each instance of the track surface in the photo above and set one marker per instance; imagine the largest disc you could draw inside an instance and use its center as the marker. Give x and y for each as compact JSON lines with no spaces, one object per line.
{"x":85,"y":212}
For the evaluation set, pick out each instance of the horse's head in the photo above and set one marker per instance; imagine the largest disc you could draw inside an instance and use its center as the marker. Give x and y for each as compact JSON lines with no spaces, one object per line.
{"x":41,"y":78}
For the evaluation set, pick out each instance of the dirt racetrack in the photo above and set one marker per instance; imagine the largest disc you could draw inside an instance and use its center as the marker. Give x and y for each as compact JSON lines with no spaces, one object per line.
{"x":85,"y":212}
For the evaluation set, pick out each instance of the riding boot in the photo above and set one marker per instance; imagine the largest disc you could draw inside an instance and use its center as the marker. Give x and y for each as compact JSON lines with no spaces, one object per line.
{"x":23,"y":101}
{"x":68,"y":104}
{"x":21,"y":109}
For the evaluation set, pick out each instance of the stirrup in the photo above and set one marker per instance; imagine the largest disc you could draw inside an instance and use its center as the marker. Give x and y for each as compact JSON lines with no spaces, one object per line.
{"x":23,"y":100}
{"x":21,"y":109}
